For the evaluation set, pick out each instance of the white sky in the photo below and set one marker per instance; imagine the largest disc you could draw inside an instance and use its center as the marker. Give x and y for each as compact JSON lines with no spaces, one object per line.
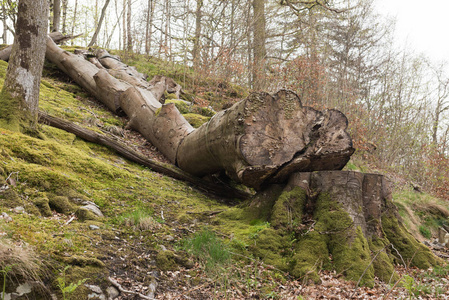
{"x":421,"y":24}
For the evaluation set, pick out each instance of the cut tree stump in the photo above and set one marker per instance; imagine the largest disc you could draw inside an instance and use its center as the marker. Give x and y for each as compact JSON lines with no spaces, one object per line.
{"x":339,"y":220}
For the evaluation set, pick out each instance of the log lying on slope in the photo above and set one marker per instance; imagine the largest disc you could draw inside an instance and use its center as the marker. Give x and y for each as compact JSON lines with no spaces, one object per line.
{"x":147,"y":115}
{"x":128,"y":153}
{"x":265,"y":138}
{"x":259,"y":140}
{"x":57,"y":37}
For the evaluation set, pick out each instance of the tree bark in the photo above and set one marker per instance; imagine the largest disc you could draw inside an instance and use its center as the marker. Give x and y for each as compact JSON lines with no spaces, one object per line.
{"x":97,"y":30}
{"x":57,"y":37}
{"x":56,"y":15}
{"x":20,"y":94}
{"x":260,"y":51}
{"x":259,"y":140}
{"x":265,"y":138}
{"x":74,"y":18}
{"x":148,"y":27}
{"x":197,"y":39}
{"x":348,"y":216}
{"x":5,"y":25}
{"x":169,"y":170}
{"x":65,"y":3}
{"x":129,"y":43}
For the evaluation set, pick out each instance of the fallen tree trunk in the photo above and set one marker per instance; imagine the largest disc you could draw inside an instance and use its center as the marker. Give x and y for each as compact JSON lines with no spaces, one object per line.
{"x":335,"y":219}
{"x":57,"y":37}
{"x":146,"y":114}
{"x":128,"y":153}
{"x":265,"y":138}
{"x":259,"y":140}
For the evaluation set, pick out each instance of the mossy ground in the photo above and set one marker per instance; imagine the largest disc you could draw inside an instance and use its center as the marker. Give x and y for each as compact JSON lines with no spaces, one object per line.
{"x":52,"y":176}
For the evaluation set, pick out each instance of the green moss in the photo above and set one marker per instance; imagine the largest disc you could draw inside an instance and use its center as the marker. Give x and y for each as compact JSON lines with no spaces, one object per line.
{"x":166,"y":261}
{"x":207,"y":112}
{"x":169,"y":96}
{"x":352,"y":258}
{"x":310,"y":256}
{"x":9,"y":198}
{"x":82,"y":261}
{"x":272,"y":247}
{"x":76,"y":275}
{"x":10,"y":117}
{"x":196,"y":120}
{"x":288,"y":209}
{"x":83,"y":214}
{"x":383,"y":266}
{"x":411,"y":250}
{"x":42,"y":203}
{"x":261,"y":205}
{"x":182,"y":106}
{"x":60,"y":204}
{"x":333,"y":234}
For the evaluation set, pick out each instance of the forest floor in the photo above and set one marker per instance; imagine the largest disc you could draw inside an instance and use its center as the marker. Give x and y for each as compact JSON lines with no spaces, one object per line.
{"x":141,"y":241}
{"x":249,"y":278}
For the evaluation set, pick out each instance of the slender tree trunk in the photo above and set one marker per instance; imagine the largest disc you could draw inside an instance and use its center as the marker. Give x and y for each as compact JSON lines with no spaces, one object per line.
{"x":249,"y":52}
{"x":96,"y":14}
{"x":124,"y":27}
{"x":149,"y":25}
{"x":74,"y":18}
{"x":197,"y":39}
{"x":128,"y":28}
{"x":5,"y":25}
{"x":260,"y":51}
{"x":97,"y":30}
{"x":56,"y":15}
{"x":20,"y":94}
{"x":65,"y":3}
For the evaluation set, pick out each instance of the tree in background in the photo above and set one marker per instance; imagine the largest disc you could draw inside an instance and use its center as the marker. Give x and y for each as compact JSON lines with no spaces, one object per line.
{"x":56,"y":15}
{"x":97,"y":29}
{"x":19,"y":97}
{"x":260,"y":52}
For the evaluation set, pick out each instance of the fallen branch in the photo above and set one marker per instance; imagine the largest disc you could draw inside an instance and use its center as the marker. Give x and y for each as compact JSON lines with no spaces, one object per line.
{"x":121,"y":289}
{"x":166,"y":169}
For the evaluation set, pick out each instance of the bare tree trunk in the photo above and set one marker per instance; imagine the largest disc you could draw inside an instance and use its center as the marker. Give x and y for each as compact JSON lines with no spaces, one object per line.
{"x":265,"y":138}
{"x":97,"y":30}
{"x":74,"y":19}
{"x":249,"y":49}
{"x":260,"y":51}
{"x":149,"y":25}
{"x":5,"y":25}
{"x":128,"y":28}
{"x":20,"y":94}
{"x":197,"y":39}
{"x":125,"y":47}
{"x":56,"y":15}
{"x":65,"y":3}
{"x":57,"y":37}
{"x":128,"y":153}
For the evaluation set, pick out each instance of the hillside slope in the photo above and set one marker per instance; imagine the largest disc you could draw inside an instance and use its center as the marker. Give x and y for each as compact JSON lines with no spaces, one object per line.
{"x":73,"y":212}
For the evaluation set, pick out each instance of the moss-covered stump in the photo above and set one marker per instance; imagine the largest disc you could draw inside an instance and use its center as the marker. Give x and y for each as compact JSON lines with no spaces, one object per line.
{"x":340,"y":220}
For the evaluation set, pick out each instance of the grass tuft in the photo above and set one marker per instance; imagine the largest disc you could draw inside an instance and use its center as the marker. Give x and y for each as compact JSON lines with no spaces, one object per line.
{"x":208,"y":248}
